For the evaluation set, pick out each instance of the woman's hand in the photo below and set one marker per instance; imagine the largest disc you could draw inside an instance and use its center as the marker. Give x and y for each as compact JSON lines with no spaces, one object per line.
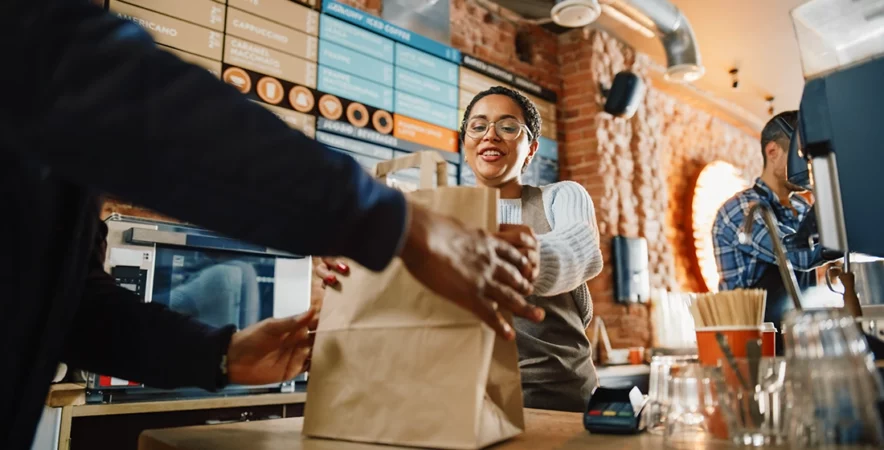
{"x":470,"y":267}
{"x":272,"y":350}
{"x":328,"y":269}
{"x":523,"y":239}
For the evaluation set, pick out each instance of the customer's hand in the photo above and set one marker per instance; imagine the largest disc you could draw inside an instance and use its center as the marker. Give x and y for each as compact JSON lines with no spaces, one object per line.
{"x":469,"y":267}
{"x":271,"y":351}
{"x":523,"y":239}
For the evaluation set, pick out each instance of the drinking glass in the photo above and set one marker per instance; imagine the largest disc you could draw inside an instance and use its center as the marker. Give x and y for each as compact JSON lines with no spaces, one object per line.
{"x":663,"y":367}
{"x":833,"y":389}
{"x":755,"y":412}
{"x":693,"y":410}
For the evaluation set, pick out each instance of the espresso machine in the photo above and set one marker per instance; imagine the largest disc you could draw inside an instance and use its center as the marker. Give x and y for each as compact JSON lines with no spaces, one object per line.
{"x":837,"y":150}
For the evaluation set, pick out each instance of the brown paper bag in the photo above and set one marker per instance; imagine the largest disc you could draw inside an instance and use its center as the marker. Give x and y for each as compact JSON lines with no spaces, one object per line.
{"x":394,"y":363}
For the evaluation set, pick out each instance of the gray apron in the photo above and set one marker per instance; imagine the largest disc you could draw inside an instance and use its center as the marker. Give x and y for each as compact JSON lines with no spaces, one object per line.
{"x":555,"y":356}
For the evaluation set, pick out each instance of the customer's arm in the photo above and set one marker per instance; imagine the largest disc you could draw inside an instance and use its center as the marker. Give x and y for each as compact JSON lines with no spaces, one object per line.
{"x":570,"y":253}
{"x":111,"y":110}
{"x":102,"y":106}
{"x":113,"y":333}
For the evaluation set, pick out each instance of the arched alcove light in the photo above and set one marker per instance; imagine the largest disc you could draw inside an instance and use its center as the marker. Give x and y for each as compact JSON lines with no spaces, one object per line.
{"x":717,"y":182}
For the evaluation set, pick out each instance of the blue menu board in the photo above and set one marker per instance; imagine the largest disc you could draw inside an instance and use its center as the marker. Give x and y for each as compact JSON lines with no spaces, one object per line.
{"x":389,"y":30}
{"x":422,"y":109}
{"x":426,"y":64}
{"x":426,"y":87}
{"x":546,"y":170}
{"x":350,"y":61}
{"x":354,"y":146}
{"x":354,"y":88}
{"x":413,"y":79}
{"x":548,"y":148}
{"x":351,"y":36}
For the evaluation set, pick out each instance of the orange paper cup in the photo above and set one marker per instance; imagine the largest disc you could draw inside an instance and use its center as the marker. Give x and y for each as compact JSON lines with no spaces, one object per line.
{"x":768,"y":336}
{"x":708,"y":350}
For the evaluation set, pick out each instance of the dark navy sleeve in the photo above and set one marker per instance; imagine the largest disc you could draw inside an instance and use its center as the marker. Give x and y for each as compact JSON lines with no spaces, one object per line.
{"x":114,"y":333}
{"x":111,"y":110}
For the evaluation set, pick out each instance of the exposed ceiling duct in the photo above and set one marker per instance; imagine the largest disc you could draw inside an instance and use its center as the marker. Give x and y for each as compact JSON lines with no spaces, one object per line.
{"x":683,"y":63}
{"x":651,"y":18}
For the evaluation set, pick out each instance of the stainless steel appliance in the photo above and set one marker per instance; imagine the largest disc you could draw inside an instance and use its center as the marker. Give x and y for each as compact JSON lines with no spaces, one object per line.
{"x":839,"y":135}
{"x":210,"y":277}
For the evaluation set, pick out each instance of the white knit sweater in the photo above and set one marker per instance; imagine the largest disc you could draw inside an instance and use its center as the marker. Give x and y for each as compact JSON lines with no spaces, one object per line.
{"x":570,"y":254}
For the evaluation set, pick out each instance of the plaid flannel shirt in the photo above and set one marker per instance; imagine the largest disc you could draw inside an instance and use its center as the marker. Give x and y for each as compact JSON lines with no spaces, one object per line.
{"x":742,"y":265}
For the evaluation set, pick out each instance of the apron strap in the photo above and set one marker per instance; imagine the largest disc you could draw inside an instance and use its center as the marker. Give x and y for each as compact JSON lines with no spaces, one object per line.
{"x":533,"y":212}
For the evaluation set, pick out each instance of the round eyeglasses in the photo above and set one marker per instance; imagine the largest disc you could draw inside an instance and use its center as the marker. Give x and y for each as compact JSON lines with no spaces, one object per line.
{"x":508,"y":129}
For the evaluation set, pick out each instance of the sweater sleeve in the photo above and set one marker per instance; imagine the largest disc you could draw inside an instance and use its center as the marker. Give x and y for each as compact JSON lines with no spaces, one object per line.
{"x":570,"y":253}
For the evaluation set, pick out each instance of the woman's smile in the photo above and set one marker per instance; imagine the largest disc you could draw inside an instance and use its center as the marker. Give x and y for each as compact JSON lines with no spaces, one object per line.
{"x":491,"y":154}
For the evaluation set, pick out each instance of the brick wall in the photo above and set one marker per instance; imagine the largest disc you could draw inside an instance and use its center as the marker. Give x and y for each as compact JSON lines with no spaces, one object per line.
{"x":491,"y":36}
{"x":369,"y":6}
{"x":638,"y":171}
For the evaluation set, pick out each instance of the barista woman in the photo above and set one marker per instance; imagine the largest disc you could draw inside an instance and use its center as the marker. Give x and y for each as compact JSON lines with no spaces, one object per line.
{"x":499,"y":135}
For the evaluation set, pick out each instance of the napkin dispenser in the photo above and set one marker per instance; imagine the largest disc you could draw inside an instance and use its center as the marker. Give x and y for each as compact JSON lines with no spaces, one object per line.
{"x":631,"y":275}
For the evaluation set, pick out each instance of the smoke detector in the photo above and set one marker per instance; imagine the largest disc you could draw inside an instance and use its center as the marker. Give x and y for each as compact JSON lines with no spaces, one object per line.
{"x":575,"y":13}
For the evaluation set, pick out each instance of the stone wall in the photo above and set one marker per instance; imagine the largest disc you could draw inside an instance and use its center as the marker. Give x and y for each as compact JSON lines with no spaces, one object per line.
{"x":638,"y":171}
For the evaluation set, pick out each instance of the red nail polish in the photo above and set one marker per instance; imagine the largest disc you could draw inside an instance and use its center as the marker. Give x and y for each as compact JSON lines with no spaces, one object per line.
{"x":343,"y":268}
{"x":331,"y":280}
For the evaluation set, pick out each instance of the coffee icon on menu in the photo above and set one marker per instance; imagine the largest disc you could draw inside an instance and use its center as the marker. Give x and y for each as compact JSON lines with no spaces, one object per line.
{"x":330,"y":107}
{"x":301,"y":99}
{"x":382,"y":121}
{"x":357,"y":114}
{"x":270,"y":90}
{"x":238,"y":78}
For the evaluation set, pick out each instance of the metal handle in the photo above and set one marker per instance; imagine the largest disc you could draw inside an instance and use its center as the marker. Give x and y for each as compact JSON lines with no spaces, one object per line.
{"x":829,"y":279}
{"x":783,"y":263}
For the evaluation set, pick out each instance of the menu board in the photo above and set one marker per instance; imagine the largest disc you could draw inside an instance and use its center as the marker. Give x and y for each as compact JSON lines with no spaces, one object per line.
{"x":355,"y":82}
{"x":267,"y":49}
{"x":366,"y":60}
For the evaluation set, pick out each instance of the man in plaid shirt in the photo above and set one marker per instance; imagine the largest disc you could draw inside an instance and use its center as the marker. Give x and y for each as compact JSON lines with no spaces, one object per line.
{"x":753,"y":265}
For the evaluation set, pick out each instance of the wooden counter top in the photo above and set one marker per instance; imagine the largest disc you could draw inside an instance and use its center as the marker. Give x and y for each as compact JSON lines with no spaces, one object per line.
{"x":545,"y":430}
